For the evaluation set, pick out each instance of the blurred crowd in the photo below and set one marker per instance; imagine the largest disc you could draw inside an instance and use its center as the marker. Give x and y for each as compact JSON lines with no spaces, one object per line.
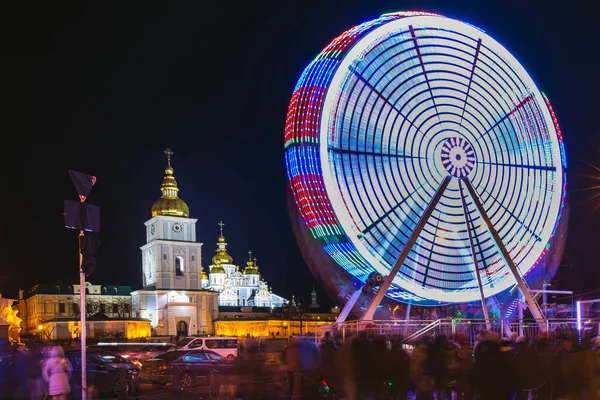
{"x":362,"y":367}
{"x":519,"y":368}
{"x":33,"y":372}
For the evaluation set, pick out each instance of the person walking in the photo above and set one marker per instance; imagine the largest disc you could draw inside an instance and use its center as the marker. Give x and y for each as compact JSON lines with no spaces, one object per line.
{"x":57,"y":371}
{"x":33,"y":371}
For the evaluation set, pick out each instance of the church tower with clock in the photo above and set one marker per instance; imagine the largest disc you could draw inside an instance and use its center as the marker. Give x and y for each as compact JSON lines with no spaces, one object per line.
{"x":171,"y":258}
{"x":172,"y":296}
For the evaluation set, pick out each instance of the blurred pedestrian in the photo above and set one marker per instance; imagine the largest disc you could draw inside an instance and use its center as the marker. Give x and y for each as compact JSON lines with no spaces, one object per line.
{"x":7,"y":373}
{"x":56,"y":371}
{"x":33,"y":371}
{"x":465,"y":368}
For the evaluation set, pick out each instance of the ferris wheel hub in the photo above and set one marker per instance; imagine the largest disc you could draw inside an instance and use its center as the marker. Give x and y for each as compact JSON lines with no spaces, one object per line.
{"x":458,"y":157}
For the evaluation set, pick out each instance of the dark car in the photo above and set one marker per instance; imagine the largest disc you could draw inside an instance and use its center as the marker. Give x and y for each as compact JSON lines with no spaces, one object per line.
{"x":103,"y":376}
{"x":184,"y":367}
{"x":148,"y":352}
{"x":113,"y":358}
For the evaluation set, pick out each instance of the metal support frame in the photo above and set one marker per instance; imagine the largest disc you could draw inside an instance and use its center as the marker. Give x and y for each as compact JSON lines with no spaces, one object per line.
{"x":533,"y":305}
{"x":348,"y":307}
{"x":486,"y":313}
{"x":387,"y":281}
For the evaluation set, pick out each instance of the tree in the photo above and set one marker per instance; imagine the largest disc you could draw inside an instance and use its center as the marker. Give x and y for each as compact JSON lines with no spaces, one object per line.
{"x":43,"y":330}
{"x":124,"y":306}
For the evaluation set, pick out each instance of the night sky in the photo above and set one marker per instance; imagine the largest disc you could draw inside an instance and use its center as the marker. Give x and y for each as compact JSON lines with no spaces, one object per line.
{"x":104,"y":87}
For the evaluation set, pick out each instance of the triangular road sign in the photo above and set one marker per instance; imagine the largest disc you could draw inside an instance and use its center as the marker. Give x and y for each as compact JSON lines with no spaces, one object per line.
{"x":83,"y":183}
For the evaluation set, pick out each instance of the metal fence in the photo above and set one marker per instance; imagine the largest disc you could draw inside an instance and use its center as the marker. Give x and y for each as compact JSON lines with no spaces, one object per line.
{"x":411,"y":330}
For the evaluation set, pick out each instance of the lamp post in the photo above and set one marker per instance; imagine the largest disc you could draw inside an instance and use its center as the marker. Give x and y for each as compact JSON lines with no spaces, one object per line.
{"x":285,"y":324}
{"x":40,"y":329}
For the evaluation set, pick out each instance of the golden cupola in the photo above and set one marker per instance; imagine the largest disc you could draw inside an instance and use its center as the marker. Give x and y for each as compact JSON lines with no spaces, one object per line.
{"x":222,"y":257}
{"x":217,"y":269}
{"x":203,"y":274}
{"x":251,"y":267}
{"x":170,"y":203}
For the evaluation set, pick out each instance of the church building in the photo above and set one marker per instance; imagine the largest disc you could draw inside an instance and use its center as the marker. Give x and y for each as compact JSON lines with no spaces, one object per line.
{"x":178,"y":296}
{"x":238,"y":288}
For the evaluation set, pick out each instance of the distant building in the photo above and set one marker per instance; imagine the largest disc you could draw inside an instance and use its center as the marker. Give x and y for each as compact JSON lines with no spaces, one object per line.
{"x":178,"y":296}
{"x":51,"y":311}
{"x":172,"y":297}
{"x":237,"y":288}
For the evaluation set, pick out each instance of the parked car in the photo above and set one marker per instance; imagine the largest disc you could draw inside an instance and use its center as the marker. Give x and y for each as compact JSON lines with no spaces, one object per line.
{"x":103,"y":374}
{"x":147,"y":352}
{"x":185,"y":367}
{"x":226,"y":347}
{"x":113,"y":358}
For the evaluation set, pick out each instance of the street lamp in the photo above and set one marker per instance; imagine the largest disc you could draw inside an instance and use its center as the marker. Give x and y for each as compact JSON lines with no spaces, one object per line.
{"x":40,"y":329}
{"x":285,"y":328}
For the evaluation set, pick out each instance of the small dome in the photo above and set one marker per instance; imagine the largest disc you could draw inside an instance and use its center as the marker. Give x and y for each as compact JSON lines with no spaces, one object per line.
{"x":170,"y":203}
{"x":217,"y":269}
{"x":251,"y":268}
{"x":222,"y":257}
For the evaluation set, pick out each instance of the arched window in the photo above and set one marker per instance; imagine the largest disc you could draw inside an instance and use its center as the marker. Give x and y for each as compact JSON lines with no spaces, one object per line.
{"x":179,"y":266}
{"x":87,"y":290}
{"x":104,"y":290}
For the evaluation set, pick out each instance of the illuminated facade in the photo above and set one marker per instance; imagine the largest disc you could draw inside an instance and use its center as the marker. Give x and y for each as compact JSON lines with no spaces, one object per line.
{"x":51,"y":311}
{"x":237,"y":288}
{"x":179,"y":297}
{"x":383,"y":116}
{"x":173,"y":297}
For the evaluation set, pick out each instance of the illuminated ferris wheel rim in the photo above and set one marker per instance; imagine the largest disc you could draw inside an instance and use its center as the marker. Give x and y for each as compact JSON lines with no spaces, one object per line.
{"x":328,"y":114}
{"x":329,"y":185}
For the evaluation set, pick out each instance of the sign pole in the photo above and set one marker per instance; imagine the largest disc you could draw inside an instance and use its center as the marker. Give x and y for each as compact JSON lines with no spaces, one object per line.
{"x":83,"y":217}
{"x":82,"y":330}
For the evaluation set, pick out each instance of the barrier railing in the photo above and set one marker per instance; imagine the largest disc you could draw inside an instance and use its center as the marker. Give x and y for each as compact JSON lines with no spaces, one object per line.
{"x":411,"y":330}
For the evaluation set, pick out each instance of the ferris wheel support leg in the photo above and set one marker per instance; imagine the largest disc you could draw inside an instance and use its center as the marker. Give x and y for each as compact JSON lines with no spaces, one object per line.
{"x":387,"y":281}
{"x":348,"y":307}
{"x":486,"y":313}
{"x":533,"y":305}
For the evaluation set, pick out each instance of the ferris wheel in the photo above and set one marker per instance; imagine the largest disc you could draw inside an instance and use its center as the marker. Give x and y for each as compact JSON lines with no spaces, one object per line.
{"x":417,"y":147}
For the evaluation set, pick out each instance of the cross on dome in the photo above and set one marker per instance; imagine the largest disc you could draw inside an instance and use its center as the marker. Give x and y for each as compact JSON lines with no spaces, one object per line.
{"x":221,"y":224}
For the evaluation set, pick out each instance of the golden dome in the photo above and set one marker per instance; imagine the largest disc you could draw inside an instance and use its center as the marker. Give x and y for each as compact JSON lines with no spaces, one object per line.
{"x":222,"y":257}
{"x":170,"y":203}
{"x":217,"y":269}
{"x":251,"y":268}
{"x":204,"y":276}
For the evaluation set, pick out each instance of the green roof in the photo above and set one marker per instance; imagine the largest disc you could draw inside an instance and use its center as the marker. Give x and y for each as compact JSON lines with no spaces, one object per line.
{"x":61,"y":288}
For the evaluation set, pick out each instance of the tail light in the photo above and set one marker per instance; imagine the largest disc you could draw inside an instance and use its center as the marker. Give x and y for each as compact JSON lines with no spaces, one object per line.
{"x":164,"y":367}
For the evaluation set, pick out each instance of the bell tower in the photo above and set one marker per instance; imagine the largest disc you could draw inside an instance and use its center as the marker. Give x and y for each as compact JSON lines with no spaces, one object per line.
{"x":171,"y":257}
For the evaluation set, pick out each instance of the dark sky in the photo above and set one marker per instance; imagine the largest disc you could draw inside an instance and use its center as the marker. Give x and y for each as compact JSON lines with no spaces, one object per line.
{"x":103,"y":87}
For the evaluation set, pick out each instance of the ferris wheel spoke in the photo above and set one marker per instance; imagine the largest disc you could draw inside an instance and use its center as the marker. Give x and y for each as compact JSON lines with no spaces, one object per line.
{"x":462,"y":115}
{"x":523,"y":166}
{"x":371,"y":153}
{"x":468,"y":223}
{"x":386,"y":100}
{"x":521,"y":223}
{"x":507,"y":115}
{"x":420,"y":56}
{"x":508,"y":261}
{"x":387,"y":281}
{"x":391,"y":210}
{"x":437,"y":225}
